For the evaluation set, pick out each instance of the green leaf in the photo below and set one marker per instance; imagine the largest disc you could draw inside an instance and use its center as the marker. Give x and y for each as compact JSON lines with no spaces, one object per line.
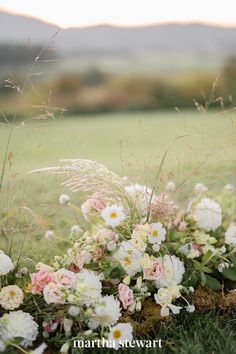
{"x":206,"y":257}
{"x":230,"y":273}
{"x":203,"y":279}
{"x":117,"y":273}
{"x":233,"y":259}
{"x":212,"y":282}
{"x":175,"y":235}
{"x":201,"y":267}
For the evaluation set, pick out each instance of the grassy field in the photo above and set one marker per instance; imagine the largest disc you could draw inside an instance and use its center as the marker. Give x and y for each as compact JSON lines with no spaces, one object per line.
{"x":200,"y":148}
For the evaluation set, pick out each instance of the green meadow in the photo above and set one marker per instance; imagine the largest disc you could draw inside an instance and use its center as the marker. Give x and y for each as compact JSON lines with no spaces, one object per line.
{"x":197,"y":148}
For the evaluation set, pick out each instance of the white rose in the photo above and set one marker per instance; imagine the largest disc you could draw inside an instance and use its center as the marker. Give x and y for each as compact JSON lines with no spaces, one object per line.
{"x":6,"y":264}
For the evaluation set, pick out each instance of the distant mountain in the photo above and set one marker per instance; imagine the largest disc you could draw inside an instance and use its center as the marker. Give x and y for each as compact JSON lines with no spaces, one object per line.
{"x":170,"y":42}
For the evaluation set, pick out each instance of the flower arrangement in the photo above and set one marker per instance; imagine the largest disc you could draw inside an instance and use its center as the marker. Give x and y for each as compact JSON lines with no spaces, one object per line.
{"x":140,"y":250}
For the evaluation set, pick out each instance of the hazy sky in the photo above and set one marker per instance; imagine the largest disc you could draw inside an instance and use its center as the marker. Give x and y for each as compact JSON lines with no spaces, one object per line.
{"x":68,"y":13}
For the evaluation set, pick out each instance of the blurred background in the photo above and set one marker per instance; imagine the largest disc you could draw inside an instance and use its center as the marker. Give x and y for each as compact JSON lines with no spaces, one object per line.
{"x":129,"y":83}
{"x":131,"y":80}
{"x":109,"y":68}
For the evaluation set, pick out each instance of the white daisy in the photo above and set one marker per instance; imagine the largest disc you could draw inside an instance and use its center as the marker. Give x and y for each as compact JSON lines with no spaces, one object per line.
{"x":157,"y":233}
{"x":120,"y":333}
{"x":129,"y":257}
{"x":113,"y":215}
{"x":230,"y":235}
{"x":173,"y":272}
{"x":208,"y":215}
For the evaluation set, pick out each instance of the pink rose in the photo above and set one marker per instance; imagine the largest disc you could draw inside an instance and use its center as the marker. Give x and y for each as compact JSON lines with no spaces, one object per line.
{"x":65,"y":278}
{"x":154,"y":273}
{"x":54,"y":294}
{"x":126,"y":295}
{"x":39,"y":280}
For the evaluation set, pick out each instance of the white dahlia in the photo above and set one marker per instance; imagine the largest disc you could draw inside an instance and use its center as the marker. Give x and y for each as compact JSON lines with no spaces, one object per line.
{"x":88,"y":287}
{"x":173,"y":272}
{"x":11,"y":297}
{"x":107,"y":312}
{"x":6,"y":264}
{"x":208,"y":215}
{"x":18,"y":324}
{"x":129,"y":258}
{"x":230,"y":235}
{"x":113,"y":215}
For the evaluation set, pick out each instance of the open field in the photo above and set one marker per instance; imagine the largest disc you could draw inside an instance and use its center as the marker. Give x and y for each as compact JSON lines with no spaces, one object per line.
{"x":200,"y":148}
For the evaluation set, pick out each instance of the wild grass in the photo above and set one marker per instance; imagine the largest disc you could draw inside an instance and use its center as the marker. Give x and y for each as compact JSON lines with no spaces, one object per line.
{"x":197,"y":333}
{"x":199,"y":148}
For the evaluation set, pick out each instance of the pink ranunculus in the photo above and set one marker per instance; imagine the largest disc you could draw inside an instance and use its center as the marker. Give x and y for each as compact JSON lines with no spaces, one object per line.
{"x":126,"y":295}
{"x":154,"y":273}
{"x":39,"y":280}
{"x":65,"y":278}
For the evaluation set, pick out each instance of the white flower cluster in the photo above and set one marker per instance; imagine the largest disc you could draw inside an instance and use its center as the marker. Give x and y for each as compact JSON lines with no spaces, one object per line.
{"x":6,"y":264}
{"x":18,"y":324}
{"x":11,"y":297}
{"x":208,"y":215}
{"x":173,"y":272}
